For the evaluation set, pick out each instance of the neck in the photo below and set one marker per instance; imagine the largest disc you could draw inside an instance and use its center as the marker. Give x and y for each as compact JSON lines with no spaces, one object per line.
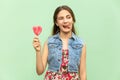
{"x":65,"y":35}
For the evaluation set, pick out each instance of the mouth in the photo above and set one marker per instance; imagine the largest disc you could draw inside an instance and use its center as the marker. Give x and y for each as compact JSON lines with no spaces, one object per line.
{"x":66,"y":26}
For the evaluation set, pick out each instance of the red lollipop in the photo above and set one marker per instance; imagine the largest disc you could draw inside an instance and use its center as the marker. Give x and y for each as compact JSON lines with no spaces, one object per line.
{"x":37,"y":30}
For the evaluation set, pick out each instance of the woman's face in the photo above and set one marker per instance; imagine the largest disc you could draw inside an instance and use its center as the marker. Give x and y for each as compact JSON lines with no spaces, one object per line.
{"x":64,"y":21}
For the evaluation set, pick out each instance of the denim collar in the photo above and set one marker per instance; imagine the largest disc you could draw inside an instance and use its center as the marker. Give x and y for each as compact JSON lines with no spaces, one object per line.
{"x":58,"y":36}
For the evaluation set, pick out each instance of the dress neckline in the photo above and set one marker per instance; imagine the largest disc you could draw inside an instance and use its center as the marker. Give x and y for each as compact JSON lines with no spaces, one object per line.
{"x":65,"y":49}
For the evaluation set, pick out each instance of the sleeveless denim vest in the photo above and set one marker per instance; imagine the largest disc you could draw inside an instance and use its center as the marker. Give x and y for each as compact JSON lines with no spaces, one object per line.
{"x":75,"y":45}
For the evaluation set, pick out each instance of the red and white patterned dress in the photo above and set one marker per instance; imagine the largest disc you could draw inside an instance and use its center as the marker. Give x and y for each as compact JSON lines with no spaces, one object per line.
{"x":63,"y":74}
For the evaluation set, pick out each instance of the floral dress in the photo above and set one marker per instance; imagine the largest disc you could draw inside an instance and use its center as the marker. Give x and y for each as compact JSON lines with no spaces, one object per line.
{"x":63,"y":74}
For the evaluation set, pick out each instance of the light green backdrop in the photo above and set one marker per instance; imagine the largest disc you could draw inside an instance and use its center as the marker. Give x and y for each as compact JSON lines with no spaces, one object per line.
{"x":98,"y":23}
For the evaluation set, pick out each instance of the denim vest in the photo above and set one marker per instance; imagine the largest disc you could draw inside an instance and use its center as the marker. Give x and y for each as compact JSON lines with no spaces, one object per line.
{"x":75,"y":45}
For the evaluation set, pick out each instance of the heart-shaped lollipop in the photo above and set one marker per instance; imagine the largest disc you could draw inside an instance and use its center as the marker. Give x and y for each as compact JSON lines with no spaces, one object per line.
{"x":37,"y":30}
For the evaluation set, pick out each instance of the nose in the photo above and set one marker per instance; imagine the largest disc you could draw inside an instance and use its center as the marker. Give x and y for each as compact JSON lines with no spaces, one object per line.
{"x":65,"y":20}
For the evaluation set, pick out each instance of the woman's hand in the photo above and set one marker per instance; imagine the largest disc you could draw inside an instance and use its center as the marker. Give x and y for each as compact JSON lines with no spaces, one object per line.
{"x":36,"y":44}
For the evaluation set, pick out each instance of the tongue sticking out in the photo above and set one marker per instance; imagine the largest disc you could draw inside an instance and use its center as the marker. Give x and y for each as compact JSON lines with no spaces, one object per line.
{"x":66,"y":27}
{"x":37,"y":30}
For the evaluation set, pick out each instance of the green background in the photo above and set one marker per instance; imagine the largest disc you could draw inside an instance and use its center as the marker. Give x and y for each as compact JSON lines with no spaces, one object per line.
{"x":97,"y":22}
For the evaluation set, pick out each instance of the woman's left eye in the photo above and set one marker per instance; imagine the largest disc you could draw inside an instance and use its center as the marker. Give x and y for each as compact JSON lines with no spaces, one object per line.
{"x":68,"y":17}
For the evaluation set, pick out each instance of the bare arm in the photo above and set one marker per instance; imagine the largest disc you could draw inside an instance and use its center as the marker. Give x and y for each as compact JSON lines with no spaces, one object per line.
{"x":83,"y":64}
{"x":41,"y":60}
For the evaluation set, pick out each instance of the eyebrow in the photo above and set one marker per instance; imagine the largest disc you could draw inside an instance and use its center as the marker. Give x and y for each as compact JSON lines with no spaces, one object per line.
{"x":69,"y":15}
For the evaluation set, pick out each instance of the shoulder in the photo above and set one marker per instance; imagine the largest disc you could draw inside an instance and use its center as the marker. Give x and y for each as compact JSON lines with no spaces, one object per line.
{"x":52,"y":38}
{"x":80,"y":40}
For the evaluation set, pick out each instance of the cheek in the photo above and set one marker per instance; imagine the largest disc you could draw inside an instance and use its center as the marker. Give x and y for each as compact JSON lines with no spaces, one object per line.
{"x":59,"y":23}
{"x":72,"y":21}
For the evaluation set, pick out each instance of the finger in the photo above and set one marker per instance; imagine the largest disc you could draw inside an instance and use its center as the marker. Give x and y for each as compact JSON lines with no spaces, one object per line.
{"x":35,"y":40}
{"x":36,"y":44}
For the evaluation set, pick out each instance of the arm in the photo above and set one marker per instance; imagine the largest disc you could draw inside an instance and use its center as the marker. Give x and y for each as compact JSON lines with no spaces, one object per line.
{"x":83,"y":64}
{"x":41,"y":60}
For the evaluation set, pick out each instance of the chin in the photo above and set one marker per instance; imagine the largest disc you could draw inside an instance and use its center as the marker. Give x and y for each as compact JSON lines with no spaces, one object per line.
{"x":67,"y":32}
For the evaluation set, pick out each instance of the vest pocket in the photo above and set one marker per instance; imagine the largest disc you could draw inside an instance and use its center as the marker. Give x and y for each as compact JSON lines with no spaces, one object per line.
{"x":52,"y":47}
{"x":77,"y":46}
{"x":76,"y":53}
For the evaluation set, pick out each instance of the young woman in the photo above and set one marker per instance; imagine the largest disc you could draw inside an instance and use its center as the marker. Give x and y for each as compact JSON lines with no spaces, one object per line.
{"x":64,"y":52}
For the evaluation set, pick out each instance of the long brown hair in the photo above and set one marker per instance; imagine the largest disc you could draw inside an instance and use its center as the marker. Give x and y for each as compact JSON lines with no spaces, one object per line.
{"x":58,"y":9}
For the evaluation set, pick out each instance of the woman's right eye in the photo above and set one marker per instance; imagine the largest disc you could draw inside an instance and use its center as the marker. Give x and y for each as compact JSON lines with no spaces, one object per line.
{"x":60,"y":18}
